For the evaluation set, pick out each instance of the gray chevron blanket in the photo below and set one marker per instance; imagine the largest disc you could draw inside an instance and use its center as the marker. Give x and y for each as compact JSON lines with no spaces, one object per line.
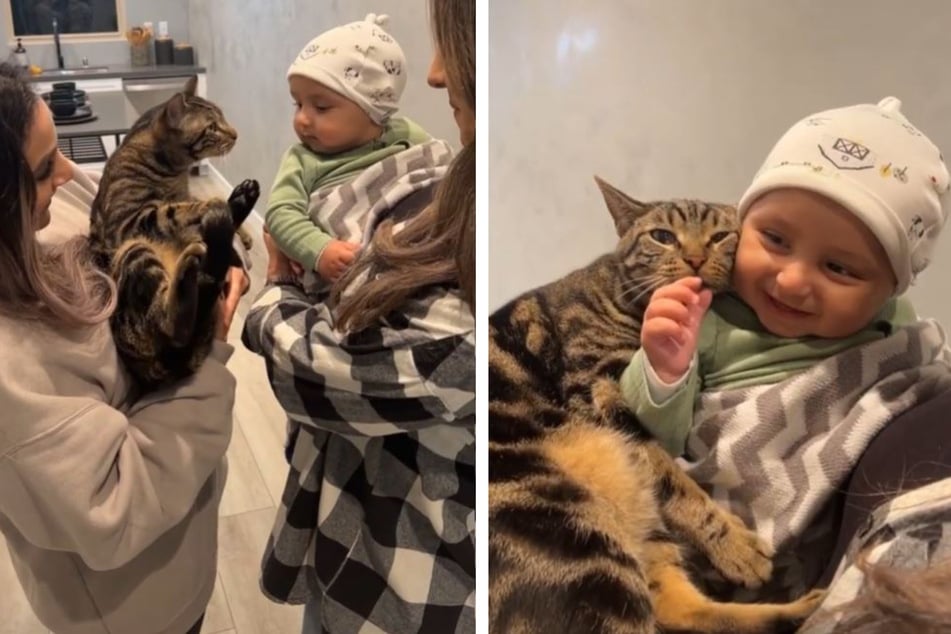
{"x":776,"y":454}
{"x":350,"y":210}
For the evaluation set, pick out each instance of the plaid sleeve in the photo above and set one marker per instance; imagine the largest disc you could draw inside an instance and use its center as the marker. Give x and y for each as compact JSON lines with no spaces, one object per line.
{"x":400,"y":377}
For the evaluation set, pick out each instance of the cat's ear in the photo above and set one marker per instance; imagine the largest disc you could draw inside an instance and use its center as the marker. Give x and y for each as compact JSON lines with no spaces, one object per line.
{"x":175,"y":112}
{"x":190,"y":86}
{"x":624,"y":209}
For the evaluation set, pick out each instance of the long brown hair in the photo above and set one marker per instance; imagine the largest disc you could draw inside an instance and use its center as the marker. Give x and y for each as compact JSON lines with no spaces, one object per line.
{"x":57,"y":285}
{"x":438,"y":245}
{"x":899,"y":601}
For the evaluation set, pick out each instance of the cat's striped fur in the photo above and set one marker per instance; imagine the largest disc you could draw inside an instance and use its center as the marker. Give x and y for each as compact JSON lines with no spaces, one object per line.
{"x":168,"y":253}
{"x":589,"y":519}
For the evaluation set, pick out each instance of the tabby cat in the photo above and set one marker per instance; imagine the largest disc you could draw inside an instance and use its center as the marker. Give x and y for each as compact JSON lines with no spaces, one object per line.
{"x":168,"y":253}
{"x":590,"y":519}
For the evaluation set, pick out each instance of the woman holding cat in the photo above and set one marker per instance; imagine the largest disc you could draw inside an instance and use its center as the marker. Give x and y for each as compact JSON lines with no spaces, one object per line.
{"x":377,"y":523}
{"x":108,"y":501}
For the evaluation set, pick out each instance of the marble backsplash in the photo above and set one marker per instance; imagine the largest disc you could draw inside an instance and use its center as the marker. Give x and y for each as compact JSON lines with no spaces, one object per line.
{"x":680,"y":98}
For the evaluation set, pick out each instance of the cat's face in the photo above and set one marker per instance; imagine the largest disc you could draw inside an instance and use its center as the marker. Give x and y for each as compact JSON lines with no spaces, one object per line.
{"x":190,"y":124}
{"x":203,"y":129}
{"x":663,"y":241}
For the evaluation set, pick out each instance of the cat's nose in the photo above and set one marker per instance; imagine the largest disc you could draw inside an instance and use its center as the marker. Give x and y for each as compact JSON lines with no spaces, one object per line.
{"x":696,"y":261}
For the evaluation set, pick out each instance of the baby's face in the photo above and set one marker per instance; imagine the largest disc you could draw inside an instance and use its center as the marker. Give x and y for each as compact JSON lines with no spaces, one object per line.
{"x":808,"y":266}
{"x":326,"y":121}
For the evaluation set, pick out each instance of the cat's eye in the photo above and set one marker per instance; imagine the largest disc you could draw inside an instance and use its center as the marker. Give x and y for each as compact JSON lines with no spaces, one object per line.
{"x":719,"y":237}
{"x":663,"y":236}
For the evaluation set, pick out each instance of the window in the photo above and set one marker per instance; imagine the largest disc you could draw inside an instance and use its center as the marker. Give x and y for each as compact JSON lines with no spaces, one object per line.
{"x":73,"y":17}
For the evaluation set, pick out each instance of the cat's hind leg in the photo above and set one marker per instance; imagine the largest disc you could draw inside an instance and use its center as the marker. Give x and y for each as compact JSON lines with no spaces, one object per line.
{"x":217,"y":232}
{"x":735,"y":551}
{"x":149,"y":303}
{"x":181,"y":304}
{"x":680,"y":607}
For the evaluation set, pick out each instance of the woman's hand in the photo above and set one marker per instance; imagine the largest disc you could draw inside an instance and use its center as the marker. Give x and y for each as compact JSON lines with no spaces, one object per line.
{"x":236,"y":285}
{"x":671,"y":325}
{"x":278,"y":264}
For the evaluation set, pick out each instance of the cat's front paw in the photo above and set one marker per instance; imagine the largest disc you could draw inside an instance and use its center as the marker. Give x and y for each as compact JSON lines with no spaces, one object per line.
{"x":740,"y":555}
{"x":242,"y":200}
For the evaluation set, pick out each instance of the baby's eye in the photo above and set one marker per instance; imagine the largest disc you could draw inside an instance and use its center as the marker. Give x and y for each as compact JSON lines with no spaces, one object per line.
{"x":838,"y":269}
{"x":773,"y":238}
{"x":663,"y":236}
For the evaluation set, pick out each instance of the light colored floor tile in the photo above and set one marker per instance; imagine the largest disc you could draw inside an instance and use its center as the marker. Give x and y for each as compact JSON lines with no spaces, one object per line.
{"x":245,"y":489}
{"x":261,"y":419}
{"x":257,"y":411}
{"x":218,"y":613}
{"x":241,"y":542}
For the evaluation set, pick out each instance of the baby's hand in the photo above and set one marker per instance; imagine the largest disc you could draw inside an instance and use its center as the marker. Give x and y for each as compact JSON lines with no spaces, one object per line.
{"x":671,"y":324}
{"x":335,"y":258}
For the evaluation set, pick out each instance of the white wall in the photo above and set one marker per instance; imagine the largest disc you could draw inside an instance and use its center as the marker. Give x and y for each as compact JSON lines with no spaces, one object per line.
{"x":682,"y":98}
{"x":247,"y":46}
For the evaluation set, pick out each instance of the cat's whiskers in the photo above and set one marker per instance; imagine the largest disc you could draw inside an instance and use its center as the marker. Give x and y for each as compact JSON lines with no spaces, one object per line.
{"x":645,"y":287}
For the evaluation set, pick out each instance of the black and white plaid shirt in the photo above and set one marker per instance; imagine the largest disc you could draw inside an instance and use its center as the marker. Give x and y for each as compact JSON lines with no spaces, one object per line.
{"x":376,"y":523}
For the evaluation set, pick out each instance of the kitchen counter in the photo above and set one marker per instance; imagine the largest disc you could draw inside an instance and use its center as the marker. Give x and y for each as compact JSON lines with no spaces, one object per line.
{"x":114,"y":117}
{"x":125,"y":71}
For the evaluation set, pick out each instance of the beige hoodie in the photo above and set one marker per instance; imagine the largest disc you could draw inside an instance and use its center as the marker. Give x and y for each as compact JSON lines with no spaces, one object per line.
{"x":109,"y":507}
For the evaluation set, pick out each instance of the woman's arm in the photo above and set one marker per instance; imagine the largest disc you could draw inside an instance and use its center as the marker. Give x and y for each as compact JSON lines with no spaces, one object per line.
{"x":104,"y":484}
{"x":387,"y":380}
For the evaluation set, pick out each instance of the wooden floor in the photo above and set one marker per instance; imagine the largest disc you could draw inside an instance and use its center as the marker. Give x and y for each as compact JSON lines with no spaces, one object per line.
{"x":255,"y":481}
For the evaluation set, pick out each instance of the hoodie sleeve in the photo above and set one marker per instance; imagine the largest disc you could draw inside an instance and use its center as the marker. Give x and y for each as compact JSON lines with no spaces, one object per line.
{"x":103,"y":483}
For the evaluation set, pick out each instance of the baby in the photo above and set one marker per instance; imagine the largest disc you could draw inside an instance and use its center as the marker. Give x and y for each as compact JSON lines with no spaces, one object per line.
{"x":772,"y":392}
{"x":346,"y":85}
{"x":837,"y":223}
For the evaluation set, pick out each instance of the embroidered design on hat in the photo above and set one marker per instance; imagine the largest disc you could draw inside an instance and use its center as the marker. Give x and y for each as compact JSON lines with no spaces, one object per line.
{"x":848,"y":155}
{"x":815,"y":168}
{"x":351,"y":73}
{"x":916,"y":230}
{"x":392,"y":67}
{"x":899,"y":173}
{"x":309,"y":51}
{"x":382,"y":94}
